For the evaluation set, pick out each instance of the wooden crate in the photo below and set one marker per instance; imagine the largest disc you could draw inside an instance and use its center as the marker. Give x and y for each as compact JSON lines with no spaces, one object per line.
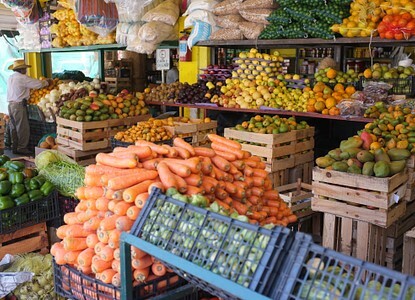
{"x":197,"y":128}
{"x":116,"y":125}
{"x":364,"y":198}
{"x":29,"y":239}
{"x":298,"y":197}
{"x":290,"y":175}
{"x":408,"y":262}
{"x":83,"y":158}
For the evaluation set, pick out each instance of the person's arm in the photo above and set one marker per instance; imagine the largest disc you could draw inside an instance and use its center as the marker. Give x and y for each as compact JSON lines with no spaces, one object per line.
{"x":34,"y":83}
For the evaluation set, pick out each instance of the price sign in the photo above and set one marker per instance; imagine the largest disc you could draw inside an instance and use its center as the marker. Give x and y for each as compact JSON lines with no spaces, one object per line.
{"x":163,"y":59}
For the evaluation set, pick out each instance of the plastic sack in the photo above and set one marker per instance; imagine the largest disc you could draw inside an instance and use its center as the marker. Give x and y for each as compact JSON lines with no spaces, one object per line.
{"x":141,"y":47}
{"x":33,"y":17}
{"x":351,"y":108}
{"x":255,"y":4}
{"x":29,"y":37}
{"x":201,"y":31}
{"x":227,"y":34}
{"x":10,"y":280}
{"x":250,"y":30}
{"x":167,"y":12}
{"x":97,"y":16}
{"x":155,"y":32}
{"x":20,"y":8}
{"x":373,"y":91}
{"x":229,"y":21}
{"x":227,"y":7}
{"x":256,"y":15}
{"x":127,"y":32}
{"x":207,"y":5}
{"x":130,"y":11}
{"x":199,"y":15}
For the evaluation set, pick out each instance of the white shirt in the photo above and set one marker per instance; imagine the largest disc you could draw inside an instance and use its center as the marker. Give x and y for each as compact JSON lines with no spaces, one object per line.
{"x":19,"y":85}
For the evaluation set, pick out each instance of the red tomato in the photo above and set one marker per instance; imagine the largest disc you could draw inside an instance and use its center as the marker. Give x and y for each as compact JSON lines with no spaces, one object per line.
{"x":398,"y":36}
{"x":388,"y":18}
{"x":411,"y":26}
{"x":382,"y":35}
{"x":407,"y":16}
{"x":402,"y":23}
{"x":382,"y":27}
{"x":389,"y":35}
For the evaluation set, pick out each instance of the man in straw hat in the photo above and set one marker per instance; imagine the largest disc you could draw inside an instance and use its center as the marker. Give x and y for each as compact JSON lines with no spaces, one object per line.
{"x":18,"y":91}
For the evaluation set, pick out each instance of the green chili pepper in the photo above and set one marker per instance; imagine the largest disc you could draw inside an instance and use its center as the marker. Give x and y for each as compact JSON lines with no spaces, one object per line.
{"x":6,"y":202}
{"x":47,"y":188}
{"x":23,"y":199}
{"x":5,"y":187}
{"x":17,"y":190}
{"x":35,"y":195}
{"x":16,"y":177}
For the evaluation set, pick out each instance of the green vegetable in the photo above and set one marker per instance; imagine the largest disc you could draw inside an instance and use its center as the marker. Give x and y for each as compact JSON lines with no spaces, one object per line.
{"x":3,"y":175}
{"x":4,"y":159}
{"x":47,"y":188}
{"x":17,"y":190}
{"x":6,"y":202}
{"x":16,"y":177}
{"x":14,"y":165}
{"x":26,"y":183}
{"x":37,"y":182}
{"x":23,"y":199}
{"x":35,"y":195}
{"x":5,"y":187}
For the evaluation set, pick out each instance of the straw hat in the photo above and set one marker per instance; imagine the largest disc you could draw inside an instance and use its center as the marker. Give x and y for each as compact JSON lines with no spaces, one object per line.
{"x":19,"y":64}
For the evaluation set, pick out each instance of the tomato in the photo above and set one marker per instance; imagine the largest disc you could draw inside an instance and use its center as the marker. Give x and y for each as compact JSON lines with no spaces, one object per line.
{"x":388,"y":18}
{"x":389,"y":35}
{"x":411,"y":26}
{"x":398,"y":35}
{"x":402,"y":23}
{"x":407,"y":16}
{"x":382,"y":27}
{"x":382,"y":35}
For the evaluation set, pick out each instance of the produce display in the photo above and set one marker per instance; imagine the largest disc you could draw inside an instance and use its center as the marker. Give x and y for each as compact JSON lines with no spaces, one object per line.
{"x":100,"y":107}
{"x":20,"y":185}
{"x":36,"y":95}
{"x":397,"y":26}
{"x":164,"y":92}
{"x":378,"y":71}
{"x":271,"y":125}
{"x":330,"y":75}
{"x":216,"y":72}
{"x":153,"y":130}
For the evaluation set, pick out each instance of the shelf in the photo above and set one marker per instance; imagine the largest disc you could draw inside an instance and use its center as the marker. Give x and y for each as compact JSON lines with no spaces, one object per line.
{"x":80,"y":48}
{"x":265,"y":111}
{"x":284,"y":43}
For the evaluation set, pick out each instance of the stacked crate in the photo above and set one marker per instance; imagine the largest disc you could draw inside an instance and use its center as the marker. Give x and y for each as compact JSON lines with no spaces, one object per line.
{"x":288,"y":156}
{"x":198,"y":129}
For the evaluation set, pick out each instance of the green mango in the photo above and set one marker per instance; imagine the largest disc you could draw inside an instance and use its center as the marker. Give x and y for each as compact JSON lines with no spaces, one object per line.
{"x":368,"y":168}
{"x":344,"y":155}
{"x":340,"y":166}
{"x":324,"y":162}
{"x":354,"y":169}
{"x":398,"y":154}
{"x":381,"y":155}
{"x":365,"y":156}
{"x":335,"y":154}
{"x":381,"y":169}
{"x":397,"y":166}
{"x":353,"y":152}
{"x":354,"y":162}
{"x":351,"y":142}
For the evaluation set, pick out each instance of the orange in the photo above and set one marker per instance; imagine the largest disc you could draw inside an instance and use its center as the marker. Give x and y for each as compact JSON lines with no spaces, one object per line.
{"x":331,"y":73}
{"x":367,"y":73}
{"x":330,"y":102}
{"x":325,"y":111}
{"x":311,"y":101}
{"x":334,"y":111}
{"x":350,"y":90}
{"x":307,"y":89}
{"x":311,"y":108}
{"x":319,"y":87}
{"x":337,"y":96}
{"x":338,"y":87}
{"x":319,"y":106}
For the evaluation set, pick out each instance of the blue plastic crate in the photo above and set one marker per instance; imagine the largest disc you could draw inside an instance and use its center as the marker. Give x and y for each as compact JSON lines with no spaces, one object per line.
{"x":243,"y":253}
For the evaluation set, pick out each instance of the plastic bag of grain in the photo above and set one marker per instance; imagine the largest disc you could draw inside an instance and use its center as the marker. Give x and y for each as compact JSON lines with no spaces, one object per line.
{"x":227,"y":34}
{"x":199,"y":15}
{"x":251,"y":30}
{"x":127,"y":32}
{"x":227,"y":7}
{"x":142,"y":47}
{"x":167,"y":12}
{"x":206,"y":5}
{"x":259,"y":15}
{"x":255,"y":4}
{"x":155,"y":32}
{"x":229,"y":21}
{"x":201,"y":31}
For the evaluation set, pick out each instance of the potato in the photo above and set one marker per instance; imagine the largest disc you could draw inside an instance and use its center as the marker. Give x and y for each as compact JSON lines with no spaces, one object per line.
{"x":44,"y":145}
{"x":50,"y":140}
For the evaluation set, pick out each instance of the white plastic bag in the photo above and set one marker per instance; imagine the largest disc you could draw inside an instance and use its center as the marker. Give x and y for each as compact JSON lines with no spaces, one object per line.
{"x":142,"y":47}
{"x":127,"y":32}
{"x":199,"y":15}
{"x":131,"y":11}
{"x":201,"y":31}
{"x":29,"y":37}
{"x":155,"y":32}
{"x":207,"y":5}
{"x":167,"y":12}
{"x":10,"y":280}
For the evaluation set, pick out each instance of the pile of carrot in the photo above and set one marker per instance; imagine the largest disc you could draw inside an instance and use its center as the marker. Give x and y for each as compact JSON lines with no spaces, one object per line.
{"x":117,"y":188}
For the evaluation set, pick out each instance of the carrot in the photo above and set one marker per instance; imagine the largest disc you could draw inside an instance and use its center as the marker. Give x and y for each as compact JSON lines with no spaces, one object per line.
{"x":101,"y":169}
{"x":239,"y":164}
{"x":61,"y":231}
{"x":71,"y":218}
{"x":92,"y":180}
{"x":92,"y":224}
{"x":116,"y":162}
{"x":254,"y":200}
{"x":273,"y":203}
{"x":166,"y":176}
{"x":257,"y":191}
{"x":85,"y":257}
{"x":123,"y":223}
{"x":258,"y":215}
{"x":126,"y":181}
{"x":117,"y":253}
{"x":234,"y":170}
{"x":103,"y":235}
{"x":109,"y":193}
{"x":241,"y":185}
{"x":156,"y":148}
{"x":206,"y":165}
{"x":193,"y":163}
{"x":221,"y":184}
{"x":249,"y":181}
{"x":90,"y":204}
{"x":238,"y":176}
{"x":292,"y":218}
{"x":108,"y":223}
{"x":258,"y":181}
{"x":131,"y":193}
{"x":260,"y":173}
{"x":156,"y":184}
{"x":219,"y":139}
{"x":248,"y":171}
{"x":141,"y":199}
{"x":193,"y":190}
{"x":92,"y":240}
{"x":223,"y":148}
{"x":269,"y":220}
{"x":55,"y":247}
{"x":267,"y":184}
{"x":141,"y":263}
{"x":240,"y":194}
{"x":141,"y":274}
{"x":194,"y":179}
{"x":203,"y":151}
{"x":270,"y":210}
{"x":230,"y":187}
{"x":74,"y":243}
{"x":242,"y":209}
{"x":151,"y":163}
{"x":226,"y":155}
{"x":60,"y":256}
{"x":221,"y":194}
{"x":271,"y":195}
{"x":219,"y":174}
{"x":181,"y":183}
{"x":255,"y":158}
{"x":140,"y":151}
{"x":107,"y":275}
{"x":106,"y":177}
{"x":93,"y":192}
{"x":248,"y":193}
{"x":250,"y":163}
{"x":100,"y":265}
{"x":81,"y":206}
{"x":137,"y":253}
{"x":158,"y":269}
{"x":116,"y":280}
{"x":112,"y":203}
{"x":80,"y":193}
{"x":84,"y":269}
{"x":261,"y":165}
{"x":116,"y":265}
{"x":114,"y":239}
{"x":172,"y":152}
{"x":221,"y":163}
{"x":133,"y":212}
{"x":96,"y":257}
{"x":224,"y":205}
{"x":178,"y":168}
{"x":106,"y":253}
{"x":181,"y":143}
{"x":101,"y":204}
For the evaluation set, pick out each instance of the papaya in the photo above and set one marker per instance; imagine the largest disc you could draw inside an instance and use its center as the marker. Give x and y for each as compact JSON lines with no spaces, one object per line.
{"x":354,"y":162}
{"x":368,"y":168}
{"x":398,"y":154}
{"x":381,"y":155}
{"x":354,"y":169}
{"x":351,"y":142}
{"x":324,"y":162}
{"x":352,"y":152}
{"x":367,"y":140}
{"x":365,"y":156}
{"x":340,"y":166}
{"x":381,"y":169}
{"x":335,"y":154}
{"x":397,"y":166}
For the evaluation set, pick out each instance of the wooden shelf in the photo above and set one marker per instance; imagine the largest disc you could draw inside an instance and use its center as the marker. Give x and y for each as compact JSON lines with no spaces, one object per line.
{"x":80,"y":48}
{"x":269,"y":111}
{"x":287,"y":43}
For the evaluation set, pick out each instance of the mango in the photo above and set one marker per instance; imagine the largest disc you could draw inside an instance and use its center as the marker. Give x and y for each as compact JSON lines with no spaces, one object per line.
{"x":398,"y":154}
{"x":365,"y":156}
{"x":368,"y":168}
{"x":381,"y":155}
{"x":340,"y":166}
{"x":354,"y":162}
{"x":352,"y":152}
{"x":335,"y":154}
{"x":354,"y":169}
{"x":397,"y":166}
{"x":351,"y":142}
{"x":344,"y":155}
{"x":324,"y":162}
{"x":367,"y":139}
{"x":381,"y":169}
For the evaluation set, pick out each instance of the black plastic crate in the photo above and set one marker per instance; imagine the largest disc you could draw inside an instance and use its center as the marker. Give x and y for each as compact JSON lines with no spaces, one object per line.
{"x":327,"y":274}
{"x":29,"y":214}
{"x":73,"y":284}
{"x":238,"y":251}
{"x":186,"y":292}
{"x":401,"y":86}
{"x":117,"y":143}
{"x":66,"y":205}
{"x":37,"y":130}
